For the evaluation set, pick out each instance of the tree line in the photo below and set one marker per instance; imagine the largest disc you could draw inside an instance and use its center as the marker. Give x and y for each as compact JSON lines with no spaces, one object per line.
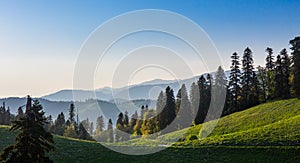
{"x":246,"y":87}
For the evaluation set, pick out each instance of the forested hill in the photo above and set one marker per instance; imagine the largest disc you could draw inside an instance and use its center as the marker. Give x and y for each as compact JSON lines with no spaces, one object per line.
{"x":88,"y":109}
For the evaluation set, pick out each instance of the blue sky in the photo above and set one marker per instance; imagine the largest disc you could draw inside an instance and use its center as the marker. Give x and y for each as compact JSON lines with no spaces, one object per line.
{"x":40,"y":40}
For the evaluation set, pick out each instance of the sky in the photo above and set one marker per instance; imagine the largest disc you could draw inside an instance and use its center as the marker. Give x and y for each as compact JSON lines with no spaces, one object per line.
{"x":40,"y":40}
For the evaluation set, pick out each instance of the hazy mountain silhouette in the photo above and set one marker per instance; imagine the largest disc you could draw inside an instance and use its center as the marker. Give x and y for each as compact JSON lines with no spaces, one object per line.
{"x":87,"y":109}
{"x":145,"y":90}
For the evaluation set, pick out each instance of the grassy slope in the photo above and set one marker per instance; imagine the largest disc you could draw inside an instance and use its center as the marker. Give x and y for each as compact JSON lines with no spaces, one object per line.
{"x":72,"y":150}
{"x":275,"y":123}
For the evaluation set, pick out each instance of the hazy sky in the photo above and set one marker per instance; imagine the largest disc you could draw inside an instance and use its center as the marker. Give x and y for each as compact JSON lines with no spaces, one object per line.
{"x":40,"y":40}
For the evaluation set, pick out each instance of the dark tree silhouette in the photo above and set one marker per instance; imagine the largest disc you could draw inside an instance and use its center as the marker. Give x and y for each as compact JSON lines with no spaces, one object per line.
{"x":296,"y":65}
{"x":110,"y":131}
{"x":270,"y":59}
{"x":279,"y":79}
{"x":234,"y":84}
{"x":286,"y":63}
{"x":32,"y":141}
{"x":168,"y":114}
{"x":249,"y":94}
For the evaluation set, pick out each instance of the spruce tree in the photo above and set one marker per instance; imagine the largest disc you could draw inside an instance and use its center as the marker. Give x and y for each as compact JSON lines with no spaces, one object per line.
{"x":295,"y":43}
{"x":72,"y":113}
{"x":195,"y":98}
{"x":138,"y":125}
{"x":279,"y":79}
{"x":205,"y":88}
{"x":133,"y":121}
{"x":119,"y":127}
{"x":249,"y":92}
{"x":218,"y":94}
{"x":110,"y":131}
{"x":149,"y":124}
{"x":126,"y":119}
{"x":83,"y":133}
{"x":32,"y":142}
{"x":270,"y":59}
{"x":262,"y":77}
{"x":286,"y":63}
{"x":234,"y":84}
{"x":99,"y":125}
{"x":168,"y":114}
{"x":161,"y":102}
{"x":185,"y":110}
{"x":59,"y":124}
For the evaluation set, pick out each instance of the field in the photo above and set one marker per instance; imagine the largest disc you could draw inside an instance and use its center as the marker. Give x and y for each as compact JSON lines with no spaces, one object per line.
{"x":266,"y":133}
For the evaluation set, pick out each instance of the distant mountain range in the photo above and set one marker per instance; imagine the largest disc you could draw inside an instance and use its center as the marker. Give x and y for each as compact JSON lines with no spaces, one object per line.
{"x":145,"y":90}
{"x":88,"y":109}
{"x":106,"y":101}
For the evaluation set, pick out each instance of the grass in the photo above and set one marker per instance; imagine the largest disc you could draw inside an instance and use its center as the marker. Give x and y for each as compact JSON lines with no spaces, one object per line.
{"x":267,"y":133}
{"x":273,"y":123}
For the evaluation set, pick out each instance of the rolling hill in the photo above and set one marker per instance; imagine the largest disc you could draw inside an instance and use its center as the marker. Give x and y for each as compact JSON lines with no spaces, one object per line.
{"x":273,"y":123}
{"x":73,"y":150}
{"x":266,"y":133}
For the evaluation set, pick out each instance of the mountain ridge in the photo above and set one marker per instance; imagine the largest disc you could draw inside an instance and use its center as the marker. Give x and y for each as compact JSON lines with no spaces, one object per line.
{"x":131,"y":92}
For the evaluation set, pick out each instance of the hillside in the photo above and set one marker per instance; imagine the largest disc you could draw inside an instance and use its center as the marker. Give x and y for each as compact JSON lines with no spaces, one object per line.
{"x":266,"y":133}
{"x":273,"y":123}
{"x":72,"y":150}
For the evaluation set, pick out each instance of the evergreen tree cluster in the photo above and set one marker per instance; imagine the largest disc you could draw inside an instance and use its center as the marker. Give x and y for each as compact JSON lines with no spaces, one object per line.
{"x":5,"y":116}
{"x":211,"y":98}
{"x":279,"y":79}
{"x":71,"y":127}
{"x":33,"y":141}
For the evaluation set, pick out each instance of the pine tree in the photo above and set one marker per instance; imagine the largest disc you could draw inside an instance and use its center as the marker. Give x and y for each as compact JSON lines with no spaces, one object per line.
{"x":70,"y":131}
{"x":32,"y":141}
{"x":59,"y":124}
{"x":89,"y":126}
{"x":249,"y":93}
{"x":2,"y":112}
{"x":295,"y":43}
{"x":20,"y":113}
{"x":185,"y":111}
{"x":126,"y":119}
{"x":110,"y":131}
{"x":99,"y":125}
{"x":255,"y":92}
{"x":83,"y":133}
{"x":234,"y":84}
{"x":205,"y":88}
{"x":149,"y":124}
{"x":270,"y":74}
{"x":168,"y":114}
{"x":279,"y":78}
{"x":133,"y":121}
{"x":262,"y":77}
{"x":270,"y":59}
{"x":286,"y":63}
{"x":161,"y":102}
{"x":139,"y":122}
{"x":119,"y":127}
{"x":218,"y":95}
{"x":72,"y":113}
{"x":195,"y":99}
